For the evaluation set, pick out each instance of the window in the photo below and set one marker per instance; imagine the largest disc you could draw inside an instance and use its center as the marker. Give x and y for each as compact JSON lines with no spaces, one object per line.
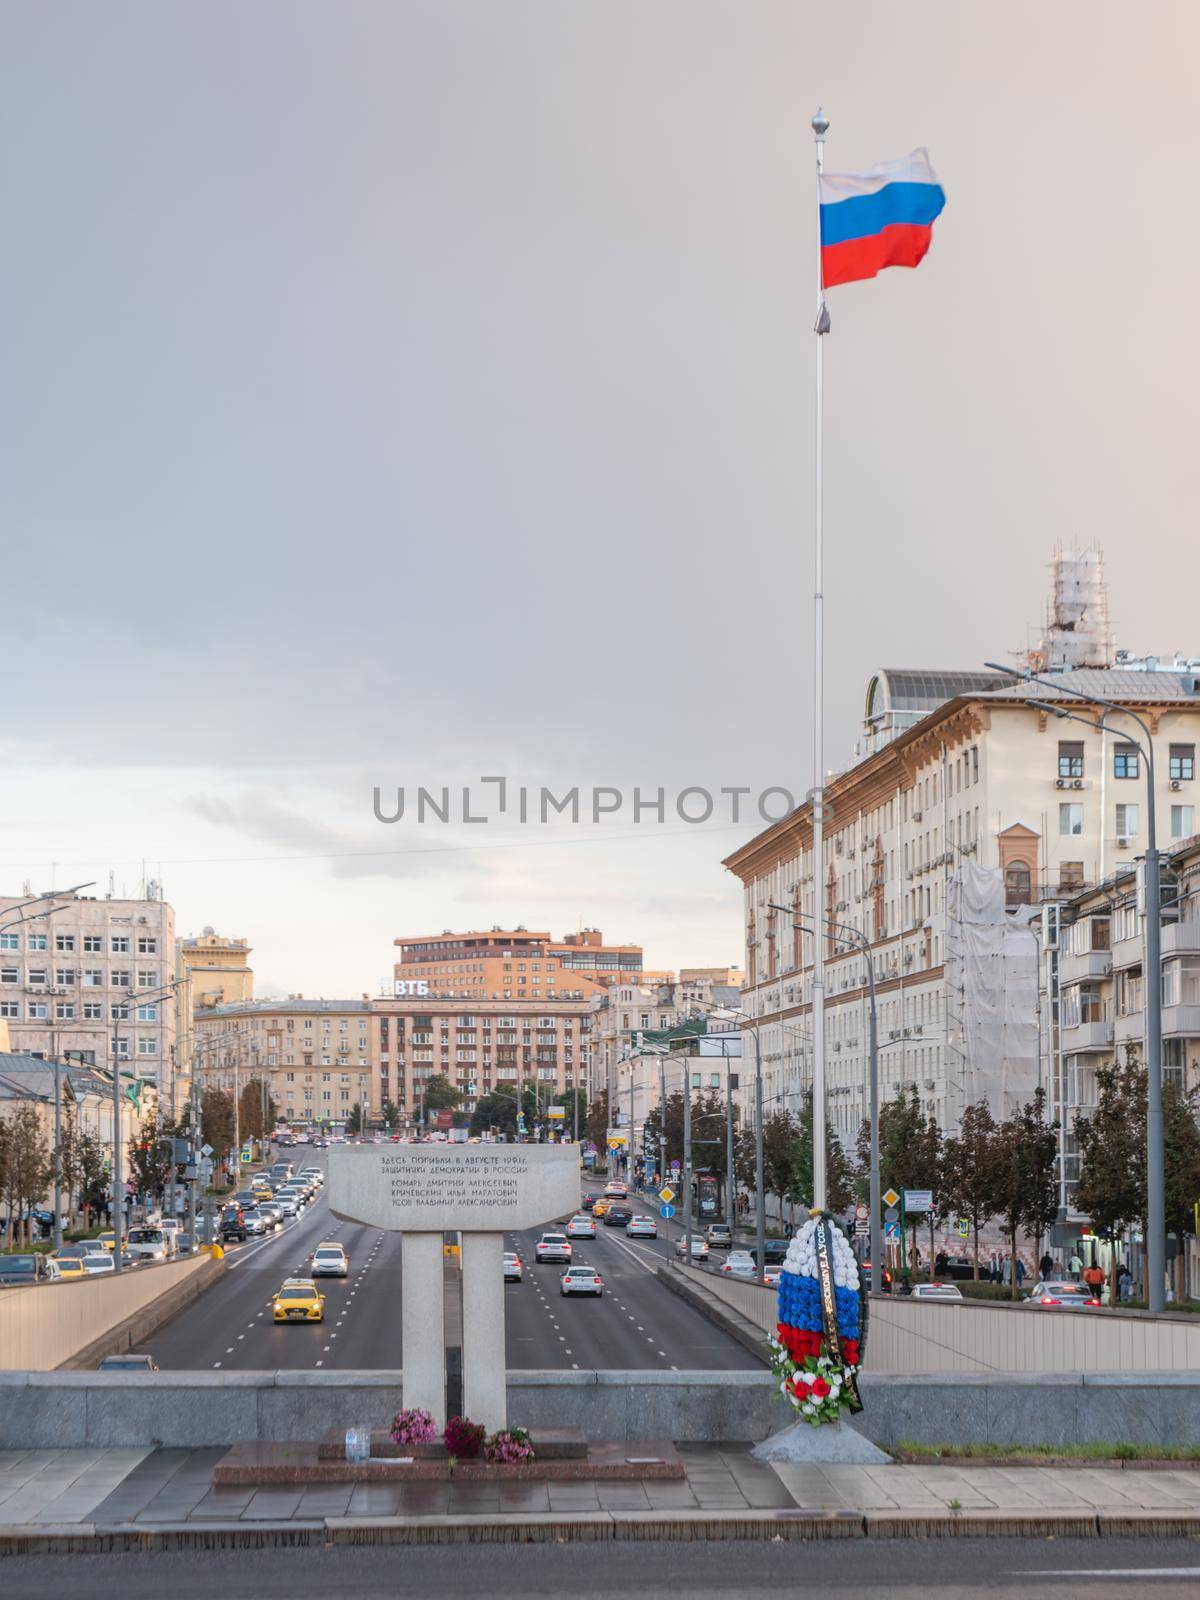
{"x":1182,"y":822}
{"x":120,"y":944}
{"x":64,"y":977}
{"x":1070,"y":875}
{"x":38,"y":1011}
{"x":1125,"y":762}
{"x":10,"y":941}
{"x":9,"y":975}
{"x":1182,"y":762}
{"x":93,"y":978}
{"x":147,"y":1047}
{"x":1070,"y":758}
{"x":93,"y":1011}
{"x":10,"y":1009}
{"x":147,"y":1013}
{"x":64,"y":942}
{"x":1125,"y":921}
{"x":120,"y":1013}
{"x":121,"y":1049}
{"x":93,"y":944}
{"x":64,"y":1011}
{"x":35,"y":941}
{"x":121,"y":978}
{"x":1018,"y":884}
{"x":1070,"y":820}
{"x":147,"y":945}
{"x":38,"y":976}
{"x":148,"y":979}
{"x":1127,"y":822}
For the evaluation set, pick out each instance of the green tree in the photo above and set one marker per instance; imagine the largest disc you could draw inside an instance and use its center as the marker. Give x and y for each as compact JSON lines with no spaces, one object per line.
{"x":839,"y":1170}
{"x":1027,"y":1190}
{"x":1181,"y":1169}
{"x":570,"y":1099}
{"x":354,"y":1118}
{"x":440,"y":1095}
{"x":92,"y":1184}
{"x":150,"y":1158}
{"x":1112,"y":1154}
{"x":256,"y":1110}
{"x":26,"y":1167}
{"x":970,"y":1177}
{"x":391,"y":1115}
{"x":598,"y":1123}
{"x":216,"y":1122}
{"x":909,"y":1151}
{"x":494,"y":1113}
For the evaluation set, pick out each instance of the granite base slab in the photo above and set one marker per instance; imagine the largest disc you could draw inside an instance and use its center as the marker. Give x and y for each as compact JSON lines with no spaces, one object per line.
{"x":268,"y":1465}
{"x":550,"y":1444}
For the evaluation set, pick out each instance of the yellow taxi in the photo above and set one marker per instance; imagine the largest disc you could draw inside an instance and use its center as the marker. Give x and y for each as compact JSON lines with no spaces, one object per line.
{"x":262,"y":1191}
{"x":67,"y":1269}
{"x":299,"y":1300}
{"x":108,"y":1240}
{"x":602,"y":1205}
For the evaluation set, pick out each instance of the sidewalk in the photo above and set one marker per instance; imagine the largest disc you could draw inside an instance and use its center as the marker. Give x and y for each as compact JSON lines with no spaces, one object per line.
{"x":79,"y":1500}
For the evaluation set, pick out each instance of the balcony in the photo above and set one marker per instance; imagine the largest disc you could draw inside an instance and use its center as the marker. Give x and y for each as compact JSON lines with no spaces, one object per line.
{"x":1130,"y":1027}
{"x":1085,"y":1036}
{"x":1181,"y":938}
{"x":1127,"y":952}
{"x":1092,"y":964}
{"x":1181,"y":1022}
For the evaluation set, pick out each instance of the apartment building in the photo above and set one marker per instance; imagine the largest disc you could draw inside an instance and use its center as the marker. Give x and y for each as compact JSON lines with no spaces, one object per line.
{"x":629,"y":1010}
{"x":481,"y":1045}
{"x":70,"y":982}
{"x":1093,"y":989}
{"x":972,"y":807}
{"x":317,"y":1057}
{"x":211,"y":970}
{"x":516,"y":964}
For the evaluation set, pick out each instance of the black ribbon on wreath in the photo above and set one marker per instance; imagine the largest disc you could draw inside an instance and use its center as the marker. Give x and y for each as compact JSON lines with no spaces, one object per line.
{"x":833,"y":1339}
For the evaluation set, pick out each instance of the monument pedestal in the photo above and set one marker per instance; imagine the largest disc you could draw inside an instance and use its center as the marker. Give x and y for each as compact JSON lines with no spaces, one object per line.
{"x":485,"y":1397}
{"x":832,"y":1444}
{"x":422,"y":1324}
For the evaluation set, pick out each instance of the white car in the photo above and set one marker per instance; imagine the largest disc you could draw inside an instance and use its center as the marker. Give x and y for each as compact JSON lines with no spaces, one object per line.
{"x":580,"y":1280}
{"x":1062,"y":1295}
{"x":329,"y":1261}
{"x":147,"y":1244}
{"x":699,"y":1247}
{"x":514,"y":1272}
{"x":739,"y":1264}
{"x":936,"y":1291}
{"x":771,"y":1276}
{"x":314,"y":1176}
{"x":641,"y":1227}
{"x":291,"y":1204}
{"x":97,"y":1262}
{"x":581,"y":1227}
{"x":553,"y":1247}
{"x":254,"y":1219}
{"x":172,"y":1229}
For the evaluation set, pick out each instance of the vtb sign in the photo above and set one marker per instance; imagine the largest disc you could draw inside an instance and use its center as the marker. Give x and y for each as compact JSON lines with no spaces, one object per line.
{"x":411,"y":986}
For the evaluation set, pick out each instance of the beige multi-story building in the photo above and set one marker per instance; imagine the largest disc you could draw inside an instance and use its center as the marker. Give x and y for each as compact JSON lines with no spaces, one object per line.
{"x":480,"y":1045}
{"x":317,"y":1057}
{"x":212,"y":970}
{"x":70,"y":982}
{"x":628,"y":1010}
{"x":516,"y":964}
{"x":972,"y":806}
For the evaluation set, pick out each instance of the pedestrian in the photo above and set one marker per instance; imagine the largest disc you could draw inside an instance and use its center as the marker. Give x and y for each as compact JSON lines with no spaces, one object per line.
{"x":1124,"y":1282}
{"x":1093,"y":1276}
{"x":1020,"y":1272}
{"x":1074,"y":1267}
{"x":1046,"y":1266}
{"x":940,"y":1263}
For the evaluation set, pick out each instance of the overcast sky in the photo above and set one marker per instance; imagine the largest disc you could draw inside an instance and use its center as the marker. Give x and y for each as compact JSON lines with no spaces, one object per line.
{"x":402,"y":392}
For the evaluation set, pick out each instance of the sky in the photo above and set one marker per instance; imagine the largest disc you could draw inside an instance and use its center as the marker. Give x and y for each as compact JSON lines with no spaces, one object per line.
{"x":401,"y":393}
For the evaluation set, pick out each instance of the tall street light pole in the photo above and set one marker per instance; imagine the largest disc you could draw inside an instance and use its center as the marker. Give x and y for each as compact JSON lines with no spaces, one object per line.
{"x":1156,"y":1227}
{"x":853,"y":936}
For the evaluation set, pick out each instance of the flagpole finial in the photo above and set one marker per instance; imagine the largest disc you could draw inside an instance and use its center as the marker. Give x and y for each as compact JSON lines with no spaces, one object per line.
{"x":820,"y":124}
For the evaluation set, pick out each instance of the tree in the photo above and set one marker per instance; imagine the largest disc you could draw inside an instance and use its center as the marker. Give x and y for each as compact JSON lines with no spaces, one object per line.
{"x":839,"y":1170}
{"x":256,"y":1110}
{"x":970,"y":1177}
{"x":909,"y":1150}
{"x":573,"y":1101}
{"x":1112,"y":1154}
{"x":93,"y":1174}
{"x":216,"y":1122}
{"x":1181,"y":1174}
{"x":494,"y":1112}
{"x":26,"y":1167}
{"x":151,"y":1161}
{"x":1027,"y":1190}
{"x":354,"y":1118}
{"x":440,"y":1095}
{"x":597,"y":1121}
{"x":390,"y":1112}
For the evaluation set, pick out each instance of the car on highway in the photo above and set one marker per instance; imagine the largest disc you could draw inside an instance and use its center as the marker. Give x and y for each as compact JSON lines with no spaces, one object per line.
{"x":280,"y":1171}
{"x":255,"y":1221}
{"x":739,"y":1264}
{"x":699,"y":1247}
{"x":289,"y":1203}
{"x":719,"y":1236}
{"x":70,"y":1270}
{"x":244,"y":1197}
{"x":232,"y":1224}
{"x":617,"y":1189}
{"x":771,"y":1276}
{"x":272,"y":1214}
{"x":553,"y":1247}
{"x":581,"y":1226}
{"x":580,"y":1280}
{"x":299,"y":1300}
{"x":19,"y":1270}
{"x":129,"y":1361}
{"x":329,"y":1261}
{"x":109,"y":1239}
{"x":774,"y":1251}
{"x":315,"y":1175}
{"x":588,"y":1201}
{"x":641,"y":1226}
{"x":618,"y":1215}
{"x":1061,"y":1295}
{"x":514,"y":1272}
{"x":937,"y":1291}
{"x":146,"y":1244}
{"x":187,"y":1244}
{"x":601,"y":1205}
{"x":81,"y":1251}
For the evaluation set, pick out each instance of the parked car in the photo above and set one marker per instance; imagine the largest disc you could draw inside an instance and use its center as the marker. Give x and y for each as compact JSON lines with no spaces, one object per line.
{"x":580,"y":1280}
{"x":129,"y":1361}
{"x":514,"y":1272}
{"x":553,"y":1247}
{"x":19,"y":1270}
{"x":641,"y":1226}
{"x":719,"y":1236}
{"x":1061,"y":1295}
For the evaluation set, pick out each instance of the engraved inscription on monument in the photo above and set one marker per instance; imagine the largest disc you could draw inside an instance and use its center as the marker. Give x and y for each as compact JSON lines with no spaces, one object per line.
{"x":476,"y":1188}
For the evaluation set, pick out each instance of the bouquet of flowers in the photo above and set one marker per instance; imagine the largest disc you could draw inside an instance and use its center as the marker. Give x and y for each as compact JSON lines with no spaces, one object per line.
{"x":815,"y":1351}
{"x":413,"y":1427}
{"x":464,"y":1438}
{"x":510,"y":1444}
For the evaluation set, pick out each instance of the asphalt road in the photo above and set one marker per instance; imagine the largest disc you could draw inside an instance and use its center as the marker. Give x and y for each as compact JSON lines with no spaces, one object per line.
{"x":635,"y":1324}
{"x":951,"y":1569}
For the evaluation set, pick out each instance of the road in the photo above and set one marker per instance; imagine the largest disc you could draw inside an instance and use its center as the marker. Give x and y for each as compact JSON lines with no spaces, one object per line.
{"x":952,"y":1569}
{"x":636,"y":1324}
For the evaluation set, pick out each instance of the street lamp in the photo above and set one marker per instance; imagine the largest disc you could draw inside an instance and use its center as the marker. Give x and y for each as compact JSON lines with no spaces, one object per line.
{"x":138,"y":997}
{"x":1156,"y":1230}
{"x":853,"y":936}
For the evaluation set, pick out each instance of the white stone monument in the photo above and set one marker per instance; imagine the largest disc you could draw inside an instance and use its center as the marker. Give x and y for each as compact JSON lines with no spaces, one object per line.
{"x":482,"y":1191}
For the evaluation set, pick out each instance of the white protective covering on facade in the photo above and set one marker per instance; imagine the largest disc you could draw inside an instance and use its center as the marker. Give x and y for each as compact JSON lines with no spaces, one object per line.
{"x":991,"y":993}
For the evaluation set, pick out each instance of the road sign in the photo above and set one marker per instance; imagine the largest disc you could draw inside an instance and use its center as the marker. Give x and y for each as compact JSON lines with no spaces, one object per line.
{"x":666,"y":1212}
{"x":674,"y":1166}
{"x":206,"y":1149}
{"x":891,"y":1198}
{"x":245,"y":1155}
{"x":891,"y":1230}
{"x":666,"y":1194}
{"x":892,"y":1214}
{"x":963,"y":1227}
{"x":860,"y":1212}
{"x":918,"y":1199}
{"x":615,"y":1143}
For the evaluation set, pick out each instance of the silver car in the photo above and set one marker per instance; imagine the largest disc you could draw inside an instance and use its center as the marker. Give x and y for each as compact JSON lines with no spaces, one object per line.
{"x":1061,"y":1295}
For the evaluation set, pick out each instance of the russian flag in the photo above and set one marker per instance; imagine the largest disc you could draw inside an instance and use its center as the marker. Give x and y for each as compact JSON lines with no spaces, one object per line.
{"x":882,"y":218}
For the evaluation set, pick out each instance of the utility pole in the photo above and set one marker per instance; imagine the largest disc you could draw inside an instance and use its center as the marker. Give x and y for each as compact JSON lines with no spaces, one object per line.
{"x":730,"y":1208}
{"x":760,"y":1210}
{"x":687,"y":1162}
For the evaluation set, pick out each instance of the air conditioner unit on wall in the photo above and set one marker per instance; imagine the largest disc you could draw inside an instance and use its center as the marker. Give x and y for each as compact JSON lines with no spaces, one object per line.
{"x":1123,"y":843}
{"x":1175,"y":783}
{"x":1060,"y":783}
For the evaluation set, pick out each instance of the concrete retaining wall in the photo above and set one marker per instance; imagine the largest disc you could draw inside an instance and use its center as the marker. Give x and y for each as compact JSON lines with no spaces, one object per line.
{"x":50,"y":1325}
{"x":76,"y":1409}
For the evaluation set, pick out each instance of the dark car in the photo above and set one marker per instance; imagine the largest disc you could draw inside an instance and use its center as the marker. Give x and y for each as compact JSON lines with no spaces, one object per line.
{"x":130,"y":1361}
{"x":233,"y":1222}
{"x":588,"y":1201}
{"x":617,"y":1216}
{"x":774,"y":1252}
{"x":18,"y":1270}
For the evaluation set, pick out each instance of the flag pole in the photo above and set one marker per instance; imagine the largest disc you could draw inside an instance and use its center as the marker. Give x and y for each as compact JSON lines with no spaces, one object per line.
{"x":820,"y":126}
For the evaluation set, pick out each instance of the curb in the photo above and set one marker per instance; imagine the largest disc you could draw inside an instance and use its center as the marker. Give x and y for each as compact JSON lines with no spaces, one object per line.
{"x":595,"y":1527}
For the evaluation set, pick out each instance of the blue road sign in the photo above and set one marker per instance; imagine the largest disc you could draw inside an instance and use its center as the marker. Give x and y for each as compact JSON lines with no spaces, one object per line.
{"x":666,"y":1212}
{"x":891,"y":1230}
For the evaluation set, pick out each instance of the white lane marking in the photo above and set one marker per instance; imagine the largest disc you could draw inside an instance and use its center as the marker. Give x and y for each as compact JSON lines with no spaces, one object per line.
{"x":1114,"y":1572}
{"x":320,"y":1363}
{"x":216,"y":1364}
{"x":229,"y":1352}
